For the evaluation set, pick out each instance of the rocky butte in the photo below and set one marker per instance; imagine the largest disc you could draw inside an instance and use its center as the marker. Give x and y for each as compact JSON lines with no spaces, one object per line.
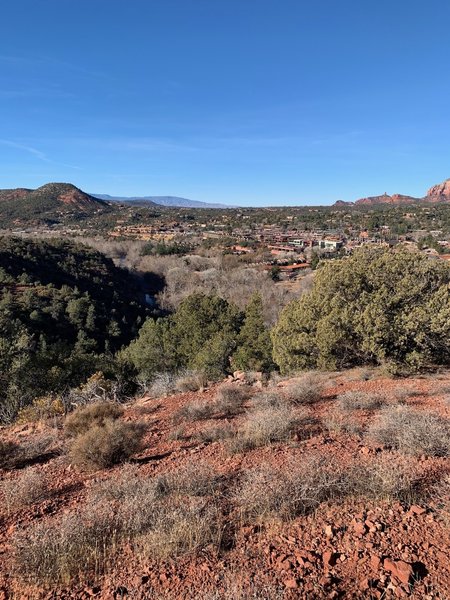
{"x":437,"y":193}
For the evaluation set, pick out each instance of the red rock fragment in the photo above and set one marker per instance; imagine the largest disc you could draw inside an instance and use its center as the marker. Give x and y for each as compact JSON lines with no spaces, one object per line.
{"x":329,"y":531}
{"x":359,"y":528}
{"x":417,"y":510}
{"x":375,"y":561}
{"x":329,"y":558}
{"x":399,"y":569}
{"x":290,"y":583}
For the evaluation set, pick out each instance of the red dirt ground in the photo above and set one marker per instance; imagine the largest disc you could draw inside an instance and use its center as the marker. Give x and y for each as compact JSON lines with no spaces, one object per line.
{"x":354,"y":548}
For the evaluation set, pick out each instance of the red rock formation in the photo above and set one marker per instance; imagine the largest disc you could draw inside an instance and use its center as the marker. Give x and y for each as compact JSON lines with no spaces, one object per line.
{"x":439,"y":192}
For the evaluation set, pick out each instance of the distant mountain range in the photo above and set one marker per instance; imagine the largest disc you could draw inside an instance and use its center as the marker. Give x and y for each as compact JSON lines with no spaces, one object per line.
{"x":171,"y":201}
{"x":439,"y":193}
{"x":63,"y":202}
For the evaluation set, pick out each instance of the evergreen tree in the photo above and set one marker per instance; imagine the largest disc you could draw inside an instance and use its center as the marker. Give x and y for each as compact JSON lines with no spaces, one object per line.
{"x":377,"y":307}
{"x":254,"y":350}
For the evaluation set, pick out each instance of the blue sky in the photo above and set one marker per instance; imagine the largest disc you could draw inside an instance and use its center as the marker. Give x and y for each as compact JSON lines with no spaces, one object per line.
{"x":237,"y":101}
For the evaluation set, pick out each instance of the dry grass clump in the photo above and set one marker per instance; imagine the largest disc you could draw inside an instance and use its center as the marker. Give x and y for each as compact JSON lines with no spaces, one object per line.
{"x":191,"y":381}
{"x":125,"y":483}
{"x":269,"y":399}
{"x":8,"y":452}
{"x":337,"y":421}
{"x":227,"y":403}
{"x":159,"y":516}
{"x":229,"y":400}
{"x":237,"y":586}
{"x":107,"y":445}
{"x":193,"y":479}
{"x":182,"y":527}
{"x":411,"y":432}
{"x":29,"y":487}
{"x":96,"y":414}
{"x":386,"y":477}
{"x":441,"y":493}
{"x":360,"y":374}
{"x":216,"y":433}
{"x":284,"y":493}
{"x":306,"y":390}
{"x":162,"y":384}
{"x":67,"y":547}
{"x":358,"y":400}
{"x":403,"y":393}
{"x":135,"y":499}
{"x":195,"y":411}
{"x":265,"y":426}
{"x":29,"y":451}
{"x":178,"y":433}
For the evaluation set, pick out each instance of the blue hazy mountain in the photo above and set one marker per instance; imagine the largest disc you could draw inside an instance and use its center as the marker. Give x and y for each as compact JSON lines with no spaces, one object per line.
{"x":173,"y":201}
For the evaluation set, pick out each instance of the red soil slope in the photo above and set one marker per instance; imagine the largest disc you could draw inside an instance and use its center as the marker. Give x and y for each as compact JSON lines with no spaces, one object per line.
{"x":351,"y":548}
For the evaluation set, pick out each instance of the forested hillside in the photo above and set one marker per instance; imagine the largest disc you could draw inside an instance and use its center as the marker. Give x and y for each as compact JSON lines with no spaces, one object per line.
{"x":63,"y":309}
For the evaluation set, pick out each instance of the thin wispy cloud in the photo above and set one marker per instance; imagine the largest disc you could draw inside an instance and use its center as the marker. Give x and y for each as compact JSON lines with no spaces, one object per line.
{"x":45,"y":61}
{"x":35,"y":152}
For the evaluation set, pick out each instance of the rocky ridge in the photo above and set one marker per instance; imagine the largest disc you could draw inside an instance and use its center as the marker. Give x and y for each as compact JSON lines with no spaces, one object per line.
{"x":439,"y":193}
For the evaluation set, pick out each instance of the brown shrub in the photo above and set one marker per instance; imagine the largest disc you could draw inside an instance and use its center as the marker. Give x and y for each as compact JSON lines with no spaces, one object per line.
{"x":43,"y":408}
{"x":307,"y":390}
{"x":107,"y":445}
{"x":96,"y":414}
{"x":411,"y":432}
{"x":357,"y":400}
{"x":29,"y":487}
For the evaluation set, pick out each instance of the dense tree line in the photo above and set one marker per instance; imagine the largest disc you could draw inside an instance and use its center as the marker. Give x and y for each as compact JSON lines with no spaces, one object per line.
{"x":67,"y":312}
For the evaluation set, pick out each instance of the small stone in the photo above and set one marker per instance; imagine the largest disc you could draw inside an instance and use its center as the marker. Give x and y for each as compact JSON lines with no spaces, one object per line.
{"x":364,"y":584}
{"x":291,"y":583}
{"x":359,"y":528}
{"x":417,"y":510}
{"x":375,"y":562}
{"x":329,"y":558}
{"x":329,"y":531}
{"x":239,"y":375}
